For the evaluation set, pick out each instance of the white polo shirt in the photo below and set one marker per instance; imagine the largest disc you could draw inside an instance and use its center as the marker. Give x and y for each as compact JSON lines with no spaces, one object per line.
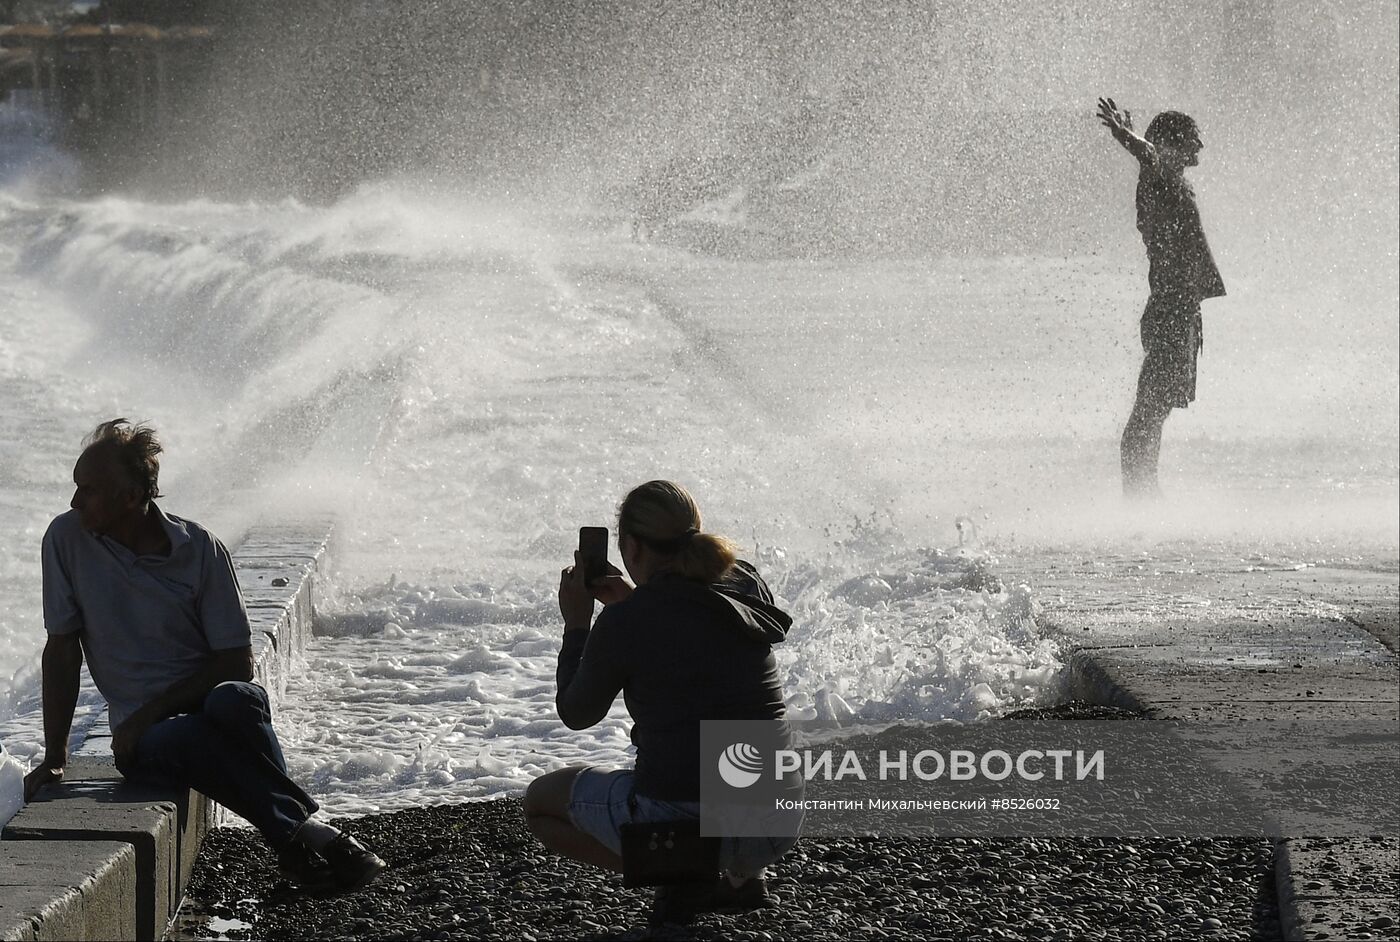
{"x":146,"y":622}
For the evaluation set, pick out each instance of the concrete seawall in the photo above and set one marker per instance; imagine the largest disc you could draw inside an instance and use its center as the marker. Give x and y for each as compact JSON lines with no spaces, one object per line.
{"x":96,"y":857}
{"x":1314,"y":646}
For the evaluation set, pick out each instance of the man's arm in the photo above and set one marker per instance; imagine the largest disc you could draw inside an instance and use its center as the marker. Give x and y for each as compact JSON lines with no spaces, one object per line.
{"x":1120,"y":125}
{"x":62,"y":664}
{"x":184,"y":696}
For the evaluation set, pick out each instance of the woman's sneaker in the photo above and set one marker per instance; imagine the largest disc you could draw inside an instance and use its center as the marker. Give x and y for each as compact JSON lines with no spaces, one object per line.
{"x":679,"y":903}
{"x":747,"y":896}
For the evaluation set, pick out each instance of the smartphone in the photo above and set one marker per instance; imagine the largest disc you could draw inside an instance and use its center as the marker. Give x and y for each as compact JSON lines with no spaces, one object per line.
{"x":593,"y":547}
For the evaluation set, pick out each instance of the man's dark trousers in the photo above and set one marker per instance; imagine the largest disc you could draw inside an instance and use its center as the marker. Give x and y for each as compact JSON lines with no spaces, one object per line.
{"x":229,"y":752}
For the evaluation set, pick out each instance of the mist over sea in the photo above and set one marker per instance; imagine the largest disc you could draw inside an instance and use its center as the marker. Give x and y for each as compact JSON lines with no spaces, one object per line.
{"x":888,"y":347}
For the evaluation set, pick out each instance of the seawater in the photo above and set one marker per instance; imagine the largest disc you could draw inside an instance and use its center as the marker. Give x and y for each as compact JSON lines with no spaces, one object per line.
{"x":464,"y":382}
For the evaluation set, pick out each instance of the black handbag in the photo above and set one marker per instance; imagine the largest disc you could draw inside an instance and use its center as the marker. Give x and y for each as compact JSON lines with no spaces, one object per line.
{"x":662,"y":853}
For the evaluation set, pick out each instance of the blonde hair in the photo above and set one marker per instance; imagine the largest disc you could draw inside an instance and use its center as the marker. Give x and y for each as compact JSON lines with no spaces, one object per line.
{"x":664,"y":516}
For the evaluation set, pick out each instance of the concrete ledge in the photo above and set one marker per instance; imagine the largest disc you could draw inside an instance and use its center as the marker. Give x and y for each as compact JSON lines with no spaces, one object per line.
{"x":82,"y":824}
{"x":1088,"y":679}
{"x":1338,"y":888}
{"x":102,"y":809}
{"x":1324,"y":671}
{"x":59,"y":891}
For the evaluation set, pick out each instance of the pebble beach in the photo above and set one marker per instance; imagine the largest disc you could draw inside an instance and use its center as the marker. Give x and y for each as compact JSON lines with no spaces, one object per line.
{"x":472,"y":871}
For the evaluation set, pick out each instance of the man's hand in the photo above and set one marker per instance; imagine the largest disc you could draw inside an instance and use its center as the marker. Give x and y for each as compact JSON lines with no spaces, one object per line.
{"x":45,"y":773}
{"x":126,"y":736}
{"x":1119,"y":122}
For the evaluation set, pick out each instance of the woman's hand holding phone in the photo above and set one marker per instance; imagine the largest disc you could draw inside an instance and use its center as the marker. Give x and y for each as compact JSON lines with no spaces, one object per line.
{"x":610,"y":587}
{"x":576,"y":595}
{"x":575,"y":601}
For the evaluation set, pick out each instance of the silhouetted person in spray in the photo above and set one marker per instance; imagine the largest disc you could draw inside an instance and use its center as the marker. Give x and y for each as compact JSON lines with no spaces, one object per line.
{"x":1181,"y":274}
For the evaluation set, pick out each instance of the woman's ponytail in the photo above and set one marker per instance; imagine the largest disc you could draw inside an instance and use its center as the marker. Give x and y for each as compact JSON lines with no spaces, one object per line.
{"x":706,"y":557}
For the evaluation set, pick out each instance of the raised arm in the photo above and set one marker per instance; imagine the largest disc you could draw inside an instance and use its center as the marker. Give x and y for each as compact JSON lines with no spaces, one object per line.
{"x":1120,"y":125}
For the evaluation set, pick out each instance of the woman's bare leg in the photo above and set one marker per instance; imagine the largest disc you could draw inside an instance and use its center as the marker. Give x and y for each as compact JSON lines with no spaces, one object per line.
{"x":547,"y":817}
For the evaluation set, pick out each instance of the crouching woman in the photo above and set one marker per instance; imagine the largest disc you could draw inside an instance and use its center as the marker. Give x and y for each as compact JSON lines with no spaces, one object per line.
{"x":692,"y":641}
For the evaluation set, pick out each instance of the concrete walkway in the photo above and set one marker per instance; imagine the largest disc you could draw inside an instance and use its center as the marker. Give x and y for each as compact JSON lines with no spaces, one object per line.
{"x":1217,"y":645}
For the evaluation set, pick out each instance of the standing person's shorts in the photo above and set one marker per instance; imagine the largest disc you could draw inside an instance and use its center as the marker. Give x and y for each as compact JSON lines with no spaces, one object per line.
{"x":1171,"y":340}
{"x":599,"y":805}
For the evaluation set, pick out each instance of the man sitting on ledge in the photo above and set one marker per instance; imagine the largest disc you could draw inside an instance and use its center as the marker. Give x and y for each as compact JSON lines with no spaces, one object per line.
{"x":153,"y":602}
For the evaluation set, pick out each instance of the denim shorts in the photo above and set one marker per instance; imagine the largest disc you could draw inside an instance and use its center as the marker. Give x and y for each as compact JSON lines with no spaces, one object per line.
{"x":599,"y":806}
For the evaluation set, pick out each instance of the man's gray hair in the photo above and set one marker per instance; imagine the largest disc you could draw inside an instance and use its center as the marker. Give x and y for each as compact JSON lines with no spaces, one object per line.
{"x":136,"y":450}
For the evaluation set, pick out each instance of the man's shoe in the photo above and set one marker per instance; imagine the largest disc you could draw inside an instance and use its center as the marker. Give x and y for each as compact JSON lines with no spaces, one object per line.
{"x":304,"y":867}
{"x":353,"y":865}
{"x":747,"y":896}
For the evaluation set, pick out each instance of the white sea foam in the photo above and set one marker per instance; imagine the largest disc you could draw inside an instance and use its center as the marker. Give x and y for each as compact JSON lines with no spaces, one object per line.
{"x":417,"y":721}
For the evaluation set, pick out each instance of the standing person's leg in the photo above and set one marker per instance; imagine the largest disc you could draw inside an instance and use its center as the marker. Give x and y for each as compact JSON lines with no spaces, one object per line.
{"x":1142,"y":440}
{"x":1166,"y":381}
